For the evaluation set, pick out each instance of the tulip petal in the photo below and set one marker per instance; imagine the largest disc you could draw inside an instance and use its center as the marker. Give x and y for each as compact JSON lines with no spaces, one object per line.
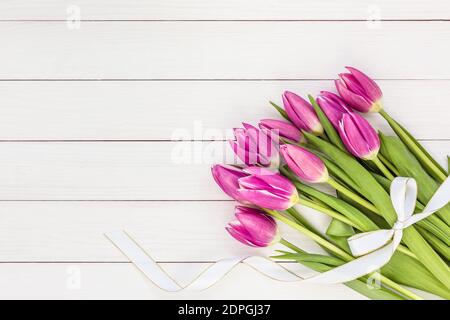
{"x":358,"y":136}
{"x":236,"y":234}
{"x":354,"y":100}
{"x":282,"y":128}
{"x":254,"y":183}
{"x":337,"y":101}
{"x":301,"y":113}
{"x":227,"y":178}
{"x":266,"y":199}
{"x":353,"y":85}
{"x":370,"y":87}
{"x":333,"y":106}
{"x":292,"y":114}
{"x":274,"y":182}
{"x":248,"y":126}
{"x":260,"y":227}
{"x":370,"y":135}
{"x":306,"y":165}
{"x":253,"y":227}
{"x":253,"y":147}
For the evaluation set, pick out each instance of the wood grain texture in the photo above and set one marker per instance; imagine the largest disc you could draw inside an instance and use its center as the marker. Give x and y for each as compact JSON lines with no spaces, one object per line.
{"x":222,"y":50}
{"x":203,"y":110}
{"x":201,"y":77}
{"x":230,"y":10}
{"x":123,"y":281}
{"x":169,"y":231}
{"x":119,"y":171}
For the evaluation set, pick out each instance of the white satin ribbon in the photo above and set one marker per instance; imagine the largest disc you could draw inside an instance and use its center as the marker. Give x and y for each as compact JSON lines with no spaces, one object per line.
{"x":206,"y":279}
{"x":373,"y":249}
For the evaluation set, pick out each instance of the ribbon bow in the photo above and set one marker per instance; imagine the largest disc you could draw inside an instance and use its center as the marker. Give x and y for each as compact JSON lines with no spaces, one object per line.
{"x":403,"y":196}
{"x":374,"y":249}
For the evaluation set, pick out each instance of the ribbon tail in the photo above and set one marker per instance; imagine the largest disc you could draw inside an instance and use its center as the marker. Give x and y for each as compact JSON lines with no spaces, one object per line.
{"x":272,"y":269}
{"x":142,"y":261}
{"x":213,"y":274}
{"x":207,"y":278}
{"x":440,"y":198}
{"x":364,"y":243}
{"x":356,"y":268}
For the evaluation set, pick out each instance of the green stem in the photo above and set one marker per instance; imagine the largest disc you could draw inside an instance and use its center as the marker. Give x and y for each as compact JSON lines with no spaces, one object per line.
{"x":382,"y":168}
{"x":300,"y":219}
{"x":340,"y":253}
{"x":291,"y":246}
{"x":366,"y":204}
{"x":388,"y":164}
{"x":327,"y":211}
{"x":407,"y":293}
{"x":321,"y":241}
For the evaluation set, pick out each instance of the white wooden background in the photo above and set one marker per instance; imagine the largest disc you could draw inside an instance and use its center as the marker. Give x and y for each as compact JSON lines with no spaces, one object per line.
{"x":87,"y":116}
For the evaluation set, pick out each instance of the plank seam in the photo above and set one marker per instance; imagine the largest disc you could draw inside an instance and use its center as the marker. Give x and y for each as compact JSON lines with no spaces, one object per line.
{"x":113,"y":262}
{"x":141,"y":141}
{"x":205,"y":79}
{"x":229,"y":20}
{"x":115,"y":200}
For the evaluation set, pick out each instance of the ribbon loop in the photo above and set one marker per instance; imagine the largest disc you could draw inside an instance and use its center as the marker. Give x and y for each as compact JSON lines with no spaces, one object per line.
{"x":404,"y":197}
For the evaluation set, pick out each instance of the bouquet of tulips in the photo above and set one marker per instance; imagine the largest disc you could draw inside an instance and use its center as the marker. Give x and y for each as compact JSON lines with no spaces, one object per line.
{"x":328,"y":141}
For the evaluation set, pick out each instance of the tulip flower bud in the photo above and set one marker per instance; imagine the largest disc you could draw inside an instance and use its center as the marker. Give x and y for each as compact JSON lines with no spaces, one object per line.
{"x":283,"y":129}
{"x":267,"y":189}
{"x":306,"y":165}
{"x":302,"y":113}
{"x":227,"y":178}
{"x":359,"y":91}
{"x":333,"y":106}
{"x":253,"y":227}
{"x":255,"y":147}
{"x":359,"y":137}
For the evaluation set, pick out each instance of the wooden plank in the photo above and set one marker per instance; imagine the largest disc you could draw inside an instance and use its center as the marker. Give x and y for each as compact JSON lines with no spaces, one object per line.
{"x":232,"y":9}
{"x":156,"y":110}
{"x":119,"y":171}
{"x":169,"y":231}
{"x":222,"y":50}
{"x":123,"y":281}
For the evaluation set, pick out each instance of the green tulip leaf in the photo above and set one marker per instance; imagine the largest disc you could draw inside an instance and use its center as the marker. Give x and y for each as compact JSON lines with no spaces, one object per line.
{"x":339,"y":229}
{"x":282,"y":112}
{"x":326,"y":124}
{"x":429,"y":163}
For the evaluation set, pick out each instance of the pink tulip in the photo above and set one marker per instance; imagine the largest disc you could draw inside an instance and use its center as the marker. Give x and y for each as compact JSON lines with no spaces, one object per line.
{"x":227,"y":178}
{"x":267,"y":189}
{"x":359,"y":91}
{"x":255,"y":147}
{"x":359,"y":137}
{"x":283,"y":129}
{"x":253,"y":227}
{"x":333,"y":106}
{"x":301,"y":113}
{"x":306,"y":165}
